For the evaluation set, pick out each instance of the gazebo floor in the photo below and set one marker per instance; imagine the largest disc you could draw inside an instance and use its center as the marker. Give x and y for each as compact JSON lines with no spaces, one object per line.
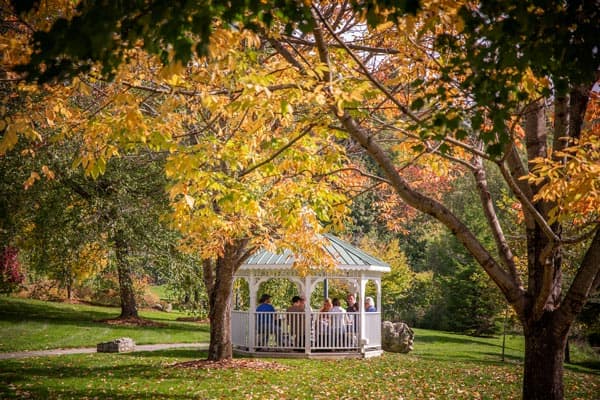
{"x":316,"y":354}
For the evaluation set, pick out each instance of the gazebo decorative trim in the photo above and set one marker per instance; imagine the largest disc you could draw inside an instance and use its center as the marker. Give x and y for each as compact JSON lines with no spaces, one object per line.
{"x":362,"y":339}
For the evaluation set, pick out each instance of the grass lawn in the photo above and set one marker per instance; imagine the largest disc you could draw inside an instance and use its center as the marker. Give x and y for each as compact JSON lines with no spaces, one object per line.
{"x":162,"y":292}
{"x":38,"y":325}
{"x":442,"y":366}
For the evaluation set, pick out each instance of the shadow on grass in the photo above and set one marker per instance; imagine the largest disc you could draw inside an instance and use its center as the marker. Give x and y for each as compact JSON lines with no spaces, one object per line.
{"x":588,"y":367}
{"x":172,"y":353}
{"x":116,"y":381}
{"x":16,"y":311}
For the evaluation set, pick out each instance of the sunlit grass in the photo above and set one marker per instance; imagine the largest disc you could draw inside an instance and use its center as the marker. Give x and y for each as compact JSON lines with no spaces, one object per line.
{"x":37,"y":325}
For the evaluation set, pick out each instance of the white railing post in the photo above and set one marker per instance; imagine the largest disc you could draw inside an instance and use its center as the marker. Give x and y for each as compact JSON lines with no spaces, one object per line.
{"x":252,"y":315}
{"x":307,"y":316}
{"x":362,"y":341}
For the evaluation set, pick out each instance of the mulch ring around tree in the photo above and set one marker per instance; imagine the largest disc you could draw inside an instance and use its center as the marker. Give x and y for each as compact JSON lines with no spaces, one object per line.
{"x":231,"y":364}
{"x":131,"y":322}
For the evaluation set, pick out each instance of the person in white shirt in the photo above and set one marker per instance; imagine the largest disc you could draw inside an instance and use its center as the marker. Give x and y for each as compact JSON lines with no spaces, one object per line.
{"x":339,"y":321}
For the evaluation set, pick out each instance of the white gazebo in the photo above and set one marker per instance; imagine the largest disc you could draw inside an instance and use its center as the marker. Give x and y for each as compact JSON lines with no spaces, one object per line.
{"x":310,"y":334}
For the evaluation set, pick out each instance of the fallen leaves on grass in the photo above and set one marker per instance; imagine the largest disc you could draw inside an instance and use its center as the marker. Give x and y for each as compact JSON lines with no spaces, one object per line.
{"x":231,"y":364}
{"x":131,"y":322}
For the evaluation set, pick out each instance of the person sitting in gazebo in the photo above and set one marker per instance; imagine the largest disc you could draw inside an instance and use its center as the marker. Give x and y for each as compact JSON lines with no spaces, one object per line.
{"x":339,"y":322}
{"x":296,"y":321}
{"x":323,"y":326}
{"x":370,"y":305}
{"x":265,"y":324}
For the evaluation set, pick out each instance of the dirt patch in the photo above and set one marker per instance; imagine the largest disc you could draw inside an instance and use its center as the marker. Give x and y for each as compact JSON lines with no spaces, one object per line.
{"x":232,"y":364}
{"x":131,"y":322}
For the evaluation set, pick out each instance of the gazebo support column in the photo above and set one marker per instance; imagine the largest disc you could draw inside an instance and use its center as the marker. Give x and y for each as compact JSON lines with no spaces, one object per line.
{"x":252,"y":286}
{"x":363,"y":287}
{"x":307,"y":314}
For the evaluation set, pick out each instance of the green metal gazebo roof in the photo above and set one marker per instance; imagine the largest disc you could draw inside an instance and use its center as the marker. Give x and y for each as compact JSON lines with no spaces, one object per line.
{"x":346,"y":255}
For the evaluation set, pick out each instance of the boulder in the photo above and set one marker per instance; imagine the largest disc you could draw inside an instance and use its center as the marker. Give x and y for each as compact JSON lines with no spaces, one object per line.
{"x":121,"y":345}
{"x":396,"y":337}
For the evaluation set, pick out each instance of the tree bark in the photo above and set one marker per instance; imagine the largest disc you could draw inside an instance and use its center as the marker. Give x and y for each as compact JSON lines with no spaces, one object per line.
{"x":220,"y":347}
{"x":128,"y":303}
{"x":544,"y":357}
{"x":218,"y":279}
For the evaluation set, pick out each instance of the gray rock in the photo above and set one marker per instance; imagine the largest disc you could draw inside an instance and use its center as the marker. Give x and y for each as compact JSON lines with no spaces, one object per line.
{"x":121,"y":345}
{"x":396,"y":337}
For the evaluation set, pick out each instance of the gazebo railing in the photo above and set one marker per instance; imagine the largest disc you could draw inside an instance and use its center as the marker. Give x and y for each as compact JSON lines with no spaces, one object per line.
{"x":373,"y":329}
{"x":287,"y":331}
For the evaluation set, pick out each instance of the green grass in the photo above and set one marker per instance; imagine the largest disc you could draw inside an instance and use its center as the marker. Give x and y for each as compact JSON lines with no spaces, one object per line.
{"x":393,"y":376}
{"x":38,"y":325}
{"x":442,"y":366}
{"x":162,"y":292}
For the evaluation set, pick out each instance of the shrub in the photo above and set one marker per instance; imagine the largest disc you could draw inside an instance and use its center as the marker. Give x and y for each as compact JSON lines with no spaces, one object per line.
{"x":11,"y":275}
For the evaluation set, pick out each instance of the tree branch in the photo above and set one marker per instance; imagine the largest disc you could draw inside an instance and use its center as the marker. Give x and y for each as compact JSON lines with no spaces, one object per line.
{"x":278,"y":152}
{"x":513,"y":292}
{"x":366,"y":71}
{"x":368,"y":49}
{"x":586,"y":281}
{"x":487,"y":204}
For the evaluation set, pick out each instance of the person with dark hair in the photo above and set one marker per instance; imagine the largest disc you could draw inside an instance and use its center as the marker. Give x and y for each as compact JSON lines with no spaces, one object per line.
{"x":353,"y":318}
{"x":264,"y":320}
{"x":295,"y":320}
{"x":352,"y":304}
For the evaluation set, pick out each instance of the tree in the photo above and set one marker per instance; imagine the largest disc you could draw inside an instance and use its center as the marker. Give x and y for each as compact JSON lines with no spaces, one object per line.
{"x":229,"y":195}
{"x":477,"y":98}
{"x":458,"y":123}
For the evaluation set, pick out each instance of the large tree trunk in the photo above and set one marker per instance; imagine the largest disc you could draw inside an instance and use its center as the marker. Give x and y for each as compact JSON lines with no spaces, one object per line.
{"x":220,"y":347}
{"x":544,"y":357}
{"x":128,"y":303}
{"x":218,"y":279}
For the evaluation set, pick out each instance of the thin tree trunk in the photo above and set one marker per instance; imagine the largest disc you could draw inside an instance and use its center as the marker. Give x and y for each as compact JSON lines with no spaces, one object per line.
{"x":128,"y":303}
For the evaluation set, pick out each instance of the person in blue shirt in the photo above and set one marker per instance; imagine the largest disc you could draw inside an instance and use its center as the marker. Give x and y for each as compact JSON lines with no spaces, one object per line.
{"x":370,"y":305}
{"x":264,"y":320}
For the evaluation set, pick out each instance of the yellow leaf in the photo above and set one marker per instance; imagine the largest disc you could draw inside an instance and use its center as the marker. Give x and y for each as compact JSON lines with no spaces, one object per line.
{"x":190,"y":201}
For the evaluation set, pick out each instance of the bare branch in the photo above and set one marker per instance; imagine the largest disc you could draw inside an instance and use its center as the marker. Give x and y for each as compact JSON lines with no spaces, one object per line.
{"x":366,"y":71}
{"x":361,"y":172}
{"x":367,"y":49}
{"x":504,"y":250}
{"x":586,"y":280}
{"x":278,"y":152}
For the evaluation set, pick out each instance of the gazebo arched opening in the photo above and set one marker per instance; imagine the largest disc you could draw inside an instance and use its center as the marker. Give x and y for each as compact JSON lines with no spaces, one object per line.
{"x":310,"y":333}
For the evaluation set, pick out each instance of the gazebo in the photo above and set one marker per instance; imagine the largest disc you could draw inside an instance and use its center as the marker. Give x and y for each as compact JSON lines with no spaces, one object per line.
{"x":310,"y":334}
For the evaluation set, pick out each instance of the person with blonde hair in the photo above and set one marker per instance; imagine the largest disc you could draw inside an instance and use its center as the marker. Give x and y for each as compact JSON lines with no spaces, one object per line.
{"x":370,"y":305}
{"x":323,"y":326}
{"x":327,"y":305}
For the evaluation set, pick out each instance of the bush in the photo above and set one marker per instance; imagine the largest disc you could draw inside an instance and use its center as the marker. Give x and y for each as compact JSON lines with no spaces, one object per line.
{"x":11,"y":276}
